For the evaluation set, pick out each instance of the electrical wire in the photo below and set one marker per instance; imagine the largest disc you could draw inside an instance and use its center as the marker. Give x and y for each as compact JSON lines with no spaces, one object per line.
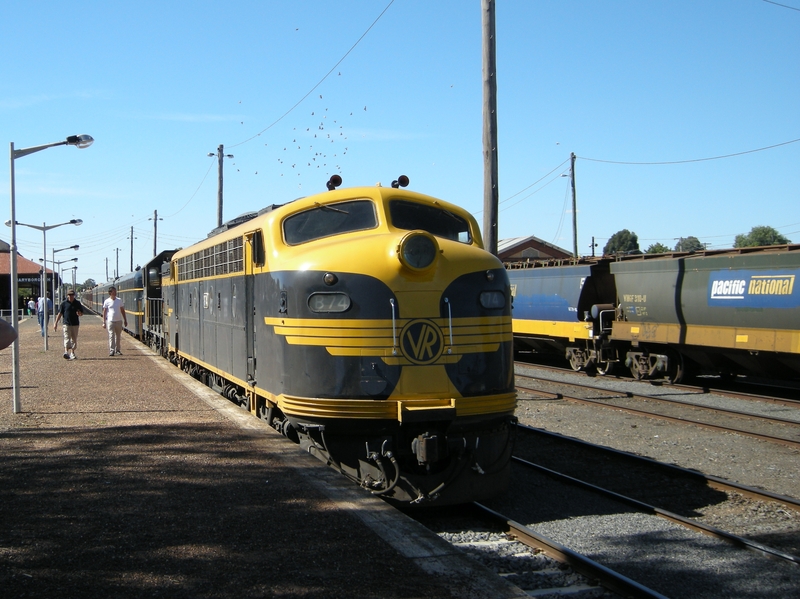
{"x":785,"y":143}
{"x":333,"y":68}
{"x":782,"y":5}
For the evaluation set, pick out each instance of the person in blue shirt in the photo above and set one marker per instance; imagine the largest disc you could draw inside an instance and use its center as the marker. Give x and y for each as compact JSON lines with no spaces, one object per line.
{"x":40,"y":306}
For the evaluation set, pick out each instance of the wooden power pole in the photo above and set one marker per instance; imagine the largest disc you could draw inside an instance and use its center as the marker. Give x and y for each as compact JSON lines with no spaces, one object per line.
{"x":490,"y":188}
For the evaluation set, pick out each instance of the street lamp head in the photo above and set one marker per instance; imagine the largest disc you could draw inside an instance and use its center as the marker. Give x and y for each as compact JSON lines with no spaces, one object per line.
{"x":8,"y":223}
{"x":75,"y":247}
{"x":76,"y":222}
{"x":80,"y":141}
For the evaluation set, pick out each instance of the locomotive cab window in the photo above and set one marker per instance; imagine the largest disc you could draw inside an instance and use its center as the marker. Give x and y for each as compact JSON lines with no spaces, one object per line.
{"x":325,"y":220}
{"x":435,"y":220}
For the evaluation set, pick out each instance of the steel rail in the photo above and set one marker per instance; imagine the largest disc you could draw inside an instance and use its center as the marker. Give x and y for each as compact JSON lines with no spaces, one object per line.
{"x":592,"y":402}
{"x":737,"y":541}
{"x":697,"y":389}
{"x":714,"y":482}
{"x":633,"y":395}
{"x":608,"y":578}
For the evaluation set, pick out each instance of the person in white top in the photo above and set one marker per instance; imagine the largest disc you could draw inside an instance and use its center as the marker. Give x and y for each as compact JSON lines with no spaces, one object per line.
{"x":113,"y":319}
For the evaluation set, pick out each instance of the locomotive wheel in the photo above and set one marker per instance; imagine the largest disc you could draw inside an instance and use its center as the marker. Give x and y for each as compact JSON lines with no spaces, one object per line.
{"x":573,"y":361}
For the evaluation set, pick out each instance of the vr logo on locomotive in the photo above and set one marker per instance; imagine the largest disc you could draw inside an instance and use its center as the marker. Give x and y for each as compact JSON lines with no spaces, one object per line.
{"x":422,"y":341}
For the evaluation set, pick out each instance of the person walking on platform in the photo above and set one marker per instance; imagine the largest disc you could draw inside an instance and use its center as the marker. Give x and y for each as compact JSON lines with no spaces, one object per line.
{"x":71,"y":309}
{"x":40,"y":310}
{"x":31,"y":306}
{"x":113,"y":319}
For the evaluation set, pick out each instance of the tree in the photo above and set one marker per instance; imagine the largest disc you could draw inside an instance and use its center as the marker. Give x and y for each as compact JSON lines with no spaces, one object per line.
{"x":689,"y":244}
{"x":759,"y":236}
{"x":89,"y":283}
{"x":657,"y":248}
{"x":622,"y":242}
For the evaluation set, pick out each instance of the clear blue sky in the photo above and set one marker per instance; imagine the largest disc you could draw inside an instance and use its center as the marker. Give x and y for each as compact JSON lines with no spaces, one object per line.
{"x":159,"y":85}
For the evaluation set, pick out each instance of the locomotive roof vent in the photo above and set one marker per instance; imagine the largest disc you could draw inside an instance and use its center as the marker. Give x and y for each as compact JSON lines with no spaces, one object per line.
{"x":234,"y":222}
{"x":401,"y":181}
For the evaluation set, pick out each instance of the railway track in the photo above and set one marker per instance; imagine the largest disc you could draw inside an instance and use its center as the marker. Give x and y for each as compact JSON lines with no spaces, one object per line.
{"x":650,"y":486}
{"x":583,"y":526}
{"x":677,"y":532}
{"x":781,"y":393}
{"x":692,"y":408}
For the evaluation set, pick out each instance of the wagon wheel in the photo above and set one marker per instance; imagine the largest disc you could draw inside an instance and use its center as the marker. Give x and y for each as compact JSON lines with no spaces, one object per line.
{"x":574,"y":362}
{"x":605,"y":368}
{"x":636,"y":371}
{"x":675,"y":368}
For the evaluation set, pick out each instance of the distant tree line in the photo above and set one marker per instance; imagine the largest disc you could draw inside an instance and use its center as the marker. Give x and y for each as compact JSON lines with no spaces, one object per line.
{"x":627,"y":242}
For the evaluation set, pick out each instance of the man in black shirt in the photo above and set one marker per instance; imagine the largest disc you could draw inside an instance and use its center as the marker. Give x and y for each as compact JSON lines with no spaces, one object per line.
{"x":71,"y":309}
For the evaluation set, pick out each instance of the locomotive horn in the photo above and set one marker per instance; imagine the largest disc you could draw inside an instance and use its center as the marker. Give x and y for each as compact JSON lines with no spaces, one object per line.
{"x":401,"y":181}
{"x":334,"y":182}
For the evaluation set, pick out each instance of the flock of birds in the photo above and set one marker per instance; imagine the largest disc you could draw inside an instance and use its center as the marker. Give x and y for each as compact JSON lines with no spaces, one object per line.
{"x":318,"y":145}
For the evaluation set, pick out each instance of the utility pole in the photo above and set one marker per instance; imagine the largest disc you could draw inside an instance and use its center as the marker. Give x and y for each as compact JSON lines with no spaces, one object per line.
{"x":106,"y":269}
{"x":116,"y":272}
{"x":220,"y":155}
{"x":132,"y":238}
{"x":490,"y":187}
{"x":155,"y":220}
{"x":574,"y":206}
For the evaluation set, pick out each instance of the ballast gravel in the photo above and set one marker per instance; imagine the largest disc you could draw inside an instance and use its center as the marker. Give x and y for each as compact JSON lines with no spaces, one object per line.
{"x":654,"y":551}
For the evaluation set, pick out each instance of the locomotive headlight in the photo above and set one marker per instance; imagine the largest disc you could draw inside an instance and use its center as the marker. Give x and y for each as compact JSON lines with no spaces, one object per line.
{"x":418,"y":250}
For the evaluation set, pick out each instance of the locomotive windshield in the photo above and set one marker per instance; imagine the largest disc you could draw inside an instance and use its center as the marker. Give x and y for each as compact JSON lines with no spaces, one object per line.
{"x":324,"y":220}
{"x":435,"y":220}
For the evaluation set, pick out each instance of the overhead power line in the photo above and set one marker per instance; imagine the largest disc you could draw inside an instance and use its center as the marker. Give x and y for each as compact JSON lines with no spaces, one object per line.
{"x":333,"y":68}
{"x":782,"y":5}
{"x":785,"y":143}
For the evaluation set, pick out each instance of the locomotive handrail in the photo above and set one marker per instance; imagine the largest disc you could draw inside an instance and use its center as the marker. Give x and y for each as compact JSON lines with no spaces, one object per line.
{"x":394,"y":329}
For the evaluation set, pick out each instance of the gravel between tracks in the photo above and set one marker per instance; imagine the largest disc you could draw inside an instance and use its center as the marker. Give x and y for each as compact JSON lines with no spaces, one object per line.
{"x":664,"y":547}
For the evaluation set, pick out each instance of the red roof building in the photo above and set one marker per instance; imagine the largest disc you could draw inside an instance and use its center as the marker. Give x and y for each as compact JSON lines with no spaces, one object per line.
{"x":28,"y":279}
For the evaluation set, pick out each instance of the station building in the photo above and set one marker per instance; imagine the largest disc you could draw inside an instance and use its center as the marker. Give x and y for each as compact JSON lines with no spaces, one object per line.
{"x":29,"y":277}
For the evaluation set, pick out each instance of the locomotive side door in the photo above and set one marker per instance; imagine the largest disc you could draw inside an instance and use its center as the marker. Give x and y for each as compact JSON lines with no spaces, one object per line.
{"x":253,"y":252}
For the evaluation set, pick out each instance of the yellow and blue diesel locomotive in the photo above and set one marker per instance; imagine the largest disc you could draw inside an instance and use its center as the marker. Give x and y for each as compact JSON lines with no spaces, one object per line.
{"x":720,"y":312}
{"x":368,"y":325}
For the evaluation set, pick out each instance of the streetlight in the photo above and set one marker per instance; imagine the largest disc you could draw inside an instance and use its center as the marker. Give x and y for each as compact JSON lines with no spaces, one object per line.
{"x":74,"y":269}
{"x":79,"y":141}
{"x":61,"y":281}
{"x":53,"y":260}
{"x":44,"y":228}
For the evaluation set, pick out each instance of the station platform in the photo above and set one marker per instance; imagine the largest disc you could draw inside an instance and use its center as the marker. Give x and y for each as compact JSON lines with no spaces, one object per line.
{"x":124,"y":477}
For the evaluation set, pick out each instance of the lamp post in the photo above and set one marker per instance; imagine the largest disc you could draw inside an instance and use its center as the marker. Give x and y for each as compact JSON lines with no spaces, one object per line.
{"x":61,"y":281}
{"x":72,"y":268}
{"x":53,"y":260}
{"x":79,"y":141}
{"x":44,"y":228}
